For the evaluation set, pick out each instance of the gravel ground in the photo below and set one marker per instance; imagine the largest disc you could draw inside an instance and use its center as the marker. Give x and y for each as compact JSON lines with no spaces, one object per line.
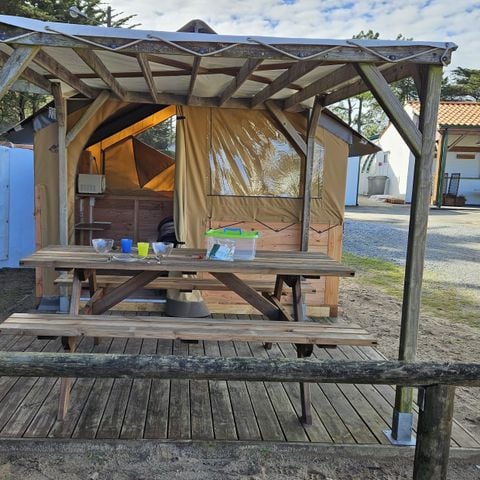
{"x":453,"y":243}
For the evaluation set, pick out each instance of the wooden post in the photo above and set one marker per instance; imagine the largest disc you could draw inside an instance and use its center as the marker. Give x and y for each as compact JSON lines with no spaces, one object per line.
{"x":417,"y":235}
{"x":433,"y":433}
{"x":441,"y":168}
{"x":61,"y":113}
{"x":308,"y":172}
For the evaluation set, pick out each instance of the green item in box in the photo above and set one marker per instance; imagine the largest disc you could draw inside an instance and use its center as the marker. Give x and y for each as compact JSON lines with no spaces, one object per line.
{"x":233,"y":233}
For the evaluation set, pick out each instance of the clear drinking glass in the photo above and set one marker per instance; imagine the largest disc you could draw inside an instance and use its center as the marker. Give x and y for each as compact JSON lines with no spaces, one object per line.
{"x":161,"y":249}
{"x":102,"y":245}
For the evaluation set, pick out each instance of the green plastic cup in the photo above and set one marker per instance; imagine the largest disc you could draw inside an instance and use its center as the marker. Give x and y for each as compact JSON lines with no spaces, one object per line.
{"x":142,"y":249}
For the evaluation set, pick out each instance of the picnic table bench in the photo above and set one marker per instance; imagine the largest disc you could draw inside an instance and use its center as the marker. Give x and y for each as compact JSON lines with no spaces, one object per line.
{"x":290,"y":269}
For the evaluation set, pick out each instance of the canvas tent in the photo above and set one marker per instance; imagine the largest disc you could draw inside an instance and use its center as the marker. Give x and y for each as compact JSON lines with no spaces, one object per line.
{"x":196,"y":71}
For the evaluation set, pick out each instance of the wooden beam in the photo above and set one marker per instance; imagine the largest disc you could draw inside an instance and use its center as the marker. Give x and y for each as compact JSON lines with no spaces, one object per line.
{"x":434,"y":433}
{"x":464,"y":149}
{"x":14,"y":67}
{"x":114,"y":365}
{"x":391,"y":105}
{"x":288,"y":129}
{"x":90,"y":112}
{"x":457,"y":141}
{"x":170,"y":62}
{"x":322,"y":85}
{"x":31,"y":75}
{"x":391,"y":74}
{"x":94,"y":62}
{"x":342,"y":54}
{"x":243,"y":75}
{"x":112,"y":297}
{"x":193,"y":78}
{"x":421,"y":198}
{"x":308,"y":172}
{"x":248,"y":293}
{"x":63,"y":74}
{"x":61,"y":114}
{"x":147,"y":75}
{"x":295,"y":72}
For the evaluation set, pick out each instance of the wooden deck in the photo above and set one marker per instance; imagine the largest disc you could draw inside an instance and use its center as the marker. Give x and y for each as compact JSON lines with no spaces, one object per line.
{"x":200,"y":409}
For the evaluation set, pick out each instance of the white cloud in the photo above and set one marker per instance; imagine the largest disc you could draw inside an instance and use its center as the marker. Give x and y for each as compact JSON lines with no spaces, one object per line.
{"x":435,"y":20}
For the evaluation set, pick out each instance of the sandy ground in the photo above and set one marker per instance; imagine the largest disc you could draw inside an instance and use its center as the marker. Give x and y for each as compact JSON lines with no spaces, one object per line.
{"x":117,"y":460}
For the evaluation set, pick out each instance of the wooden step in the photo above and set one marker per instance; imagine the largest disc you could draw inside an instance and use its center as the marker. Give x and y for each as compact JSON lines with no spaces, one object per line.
{"x":172,"y":328}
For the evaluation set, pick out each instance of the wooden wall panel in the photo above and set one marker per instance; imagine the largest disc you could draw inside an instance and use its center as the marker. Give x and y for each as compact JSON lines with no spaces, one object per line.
{"x":120,"y":210}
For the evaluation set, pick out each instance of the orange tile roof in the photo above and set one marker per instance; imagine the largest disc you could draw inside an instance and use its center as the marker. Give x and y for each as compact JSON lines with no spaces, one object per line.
{"x":455,"y":113}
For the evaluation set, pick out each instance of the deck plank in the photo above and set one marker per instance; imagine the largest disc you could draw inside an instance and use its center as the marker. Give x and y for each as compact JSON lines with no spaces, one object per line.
{"x":179,"y":425}
{"x":95,"y":405}
{"x":291,"y":425}
{"x":201,"y":413}
{"x":136,"y":412}
{"x":354,"y":393}
{"x":334,"y":424}
{"x":112,"y":420}
{"x":316,"y":432}
{"x":46,"y":415}
{"x":156,"y":423}
{"x":268,"y":424}
{"x":32,"y":401}
{"x":79,"y":394}
{"x":245,"y":421}
{"x":222,"y":413}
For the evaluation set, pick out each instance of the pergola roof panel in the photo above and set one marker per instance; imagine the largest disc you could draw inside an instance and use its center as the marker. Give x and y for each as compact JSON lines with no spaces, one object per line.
{"x":239,"y":71}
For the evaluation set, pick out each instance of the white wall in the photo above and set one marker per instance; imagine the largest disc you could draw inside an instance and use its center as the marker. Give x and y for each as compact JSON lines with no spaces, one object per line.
{"x":469,"y":176}
{"x":351,"y":191}
{"x":400,"y":163}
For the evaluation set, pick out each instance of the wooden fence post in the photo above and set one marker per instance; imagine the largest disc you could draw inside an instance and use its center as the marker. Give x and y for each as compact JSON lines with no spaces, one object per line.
{"x":433,"y":433}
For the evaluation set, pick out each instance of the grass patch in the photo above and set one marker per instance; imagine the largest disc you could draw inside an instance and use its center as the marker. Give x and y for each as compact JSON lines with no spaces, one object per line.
{"x":438,"y":296}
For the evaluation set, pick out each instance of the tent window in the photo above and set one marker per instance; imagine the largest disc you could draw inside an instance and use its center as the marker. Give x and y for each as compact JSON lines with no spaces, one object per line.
{"x":250,"y":157}
{"x":161,"y":137}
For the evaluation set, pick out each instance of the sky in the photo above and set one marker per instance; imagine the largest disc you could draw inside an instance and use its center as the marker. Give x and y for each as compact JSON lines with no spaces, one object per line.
{"x":455,"y":21}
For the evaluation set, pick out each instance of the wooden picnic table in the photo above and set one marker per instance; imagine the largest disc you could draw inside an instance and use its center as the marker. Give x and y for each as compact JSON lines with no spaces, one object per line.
{"x":288,"y":267}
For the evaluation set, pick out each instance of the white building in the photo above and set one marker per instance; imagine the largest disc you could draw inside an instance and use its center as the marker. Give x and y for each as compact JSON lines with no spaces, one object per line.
{"x":458,"y":152}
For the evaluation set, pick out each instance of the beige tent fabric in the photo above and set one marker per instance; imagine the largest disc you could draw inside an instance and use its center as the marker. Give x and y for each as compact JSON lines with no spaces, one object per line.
{"x":196,"y":128}
{"x":179,"y":212}
{"x":202,"y":206}
{"x":46,"y":181}
{"x":180,"y":167}
{"x":149,"y":162}
{"x":125,"y":170}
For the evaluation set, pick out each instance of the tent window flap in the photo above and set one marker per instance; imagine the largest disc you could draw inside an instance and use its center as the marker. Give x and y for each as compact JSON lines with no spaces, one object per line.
{"x":250,"y":157}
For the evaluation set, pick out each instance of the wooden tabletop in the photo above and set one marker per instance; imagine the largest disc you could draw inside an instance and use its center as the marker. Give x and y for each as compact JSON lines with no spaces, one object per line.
{"x":191,"y":260}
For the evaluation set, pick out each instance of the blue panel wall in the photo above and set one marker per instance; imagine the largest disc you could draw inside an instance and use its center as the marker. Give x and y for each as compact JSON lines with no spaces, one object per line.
{"x":21,"y":221}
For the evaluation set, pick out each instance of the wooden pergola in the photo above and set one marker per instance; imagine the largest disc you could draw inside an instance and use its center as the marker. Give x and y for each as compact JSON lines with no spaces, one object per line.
{"x":197,"y":67}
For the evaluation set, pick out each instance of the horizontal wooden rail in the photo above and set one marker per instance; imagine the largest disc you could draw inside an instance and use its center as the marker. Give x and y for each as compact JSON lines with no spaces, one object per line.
{"x":237,"y":368}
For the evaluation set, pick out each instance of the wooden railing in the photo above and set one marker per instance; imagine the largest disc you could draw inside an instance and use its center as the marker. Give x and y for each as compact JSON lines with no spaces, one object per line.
{"x":438,"y":381}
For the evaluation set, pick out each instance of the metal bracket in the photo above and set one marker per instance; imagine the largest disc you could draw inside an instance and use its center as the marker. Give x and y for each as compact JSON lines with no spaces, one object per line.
{"x":401,"y":432}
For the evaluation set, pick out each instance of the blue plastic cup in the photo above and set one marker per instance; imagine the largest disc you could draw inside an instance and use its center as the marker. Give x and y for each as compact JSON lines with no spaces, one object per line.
{"x":126,"y":245}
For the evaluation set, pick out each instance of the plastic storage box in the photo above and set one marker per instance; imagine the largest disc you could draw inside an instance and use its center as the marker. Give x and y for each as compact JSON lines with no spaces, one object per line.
{"x":245,"y":241}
